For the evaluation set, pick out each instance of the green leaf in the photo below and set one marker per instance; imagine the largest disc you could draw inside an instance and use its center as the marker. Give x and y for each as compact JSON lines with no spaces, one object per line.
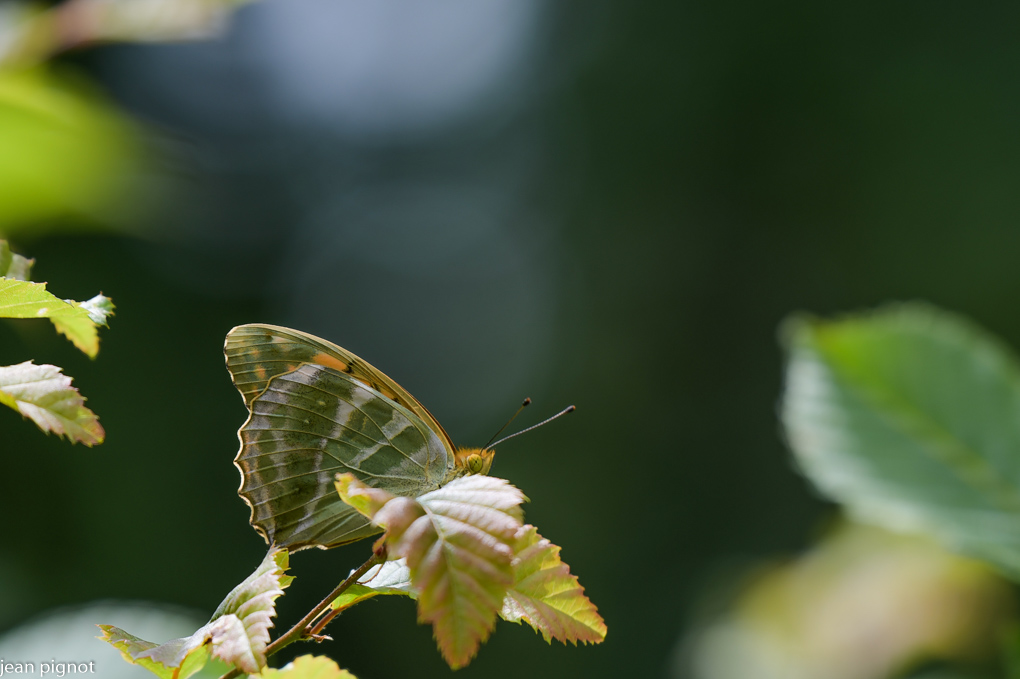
{"x":176,"y":659}
{"x":308,"y":667}
{"x":391,"y":577}
{"x":458,"y":542}
{"x":66,"y":154}
{"x":909,"y":416}
{"x":44,"y":395}
{"x":237,"y":634}
{"x":24,"y":299}
{"x":253,"y":603}
{"x":99,"y":309}
{"x":1009,"y":645}
{"x":14,"y":266}
{"x":546,"y":596}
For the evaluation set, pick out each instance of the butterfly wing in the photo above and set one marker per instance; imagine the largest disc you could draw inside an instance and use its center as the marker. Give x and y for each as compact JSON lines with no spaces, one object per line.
{"x":257,"y":352}
{"x":307,"y":425}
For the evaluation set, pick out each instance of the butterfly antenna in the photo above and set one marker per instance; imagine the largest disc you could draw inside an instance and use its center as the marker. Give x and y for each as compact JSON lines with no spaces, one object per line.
{"x":568,"y":409}
{"x":527,"y":402}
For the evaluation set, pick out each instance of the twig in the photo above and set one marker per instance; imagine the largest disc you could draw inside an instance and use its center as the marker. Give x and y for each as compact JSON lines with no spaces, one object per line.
{"x":300,"y":630}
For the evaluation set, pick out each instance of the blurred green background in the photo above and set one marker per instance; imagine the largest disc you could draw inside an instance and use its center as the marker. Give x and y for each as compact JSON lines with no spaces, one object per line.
{"x":608,"y":204}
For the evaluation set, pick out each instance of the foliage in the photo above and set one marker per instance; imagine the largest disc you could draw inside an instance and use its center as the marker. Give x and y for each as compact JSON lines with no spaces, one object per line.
{"x":454,"y":544}
{"x":41,"y":392}
{"x":820,"y":614}
{"x":44,"y":395}
{"x":457,"y":542}
{"x":465,"y":555}
{"x":238,"y":632}
{"x":308,"y":667}
{"x":389,"y":577}
{"x":460,"y":549}
{"x":547,"y":596}
{"x":67,"y":153}
{"x":908,"y":415}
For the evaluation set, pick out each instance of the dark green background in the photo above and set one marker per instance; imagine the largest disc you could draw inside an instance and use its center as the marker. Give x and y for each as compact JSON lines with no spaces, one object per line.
{"x":669,"y":181}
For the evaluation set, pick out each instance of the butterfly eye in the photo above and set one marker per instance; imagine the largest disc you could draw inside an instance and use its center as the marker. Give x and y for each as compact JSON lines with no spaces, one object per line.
{"x":476,"y":464}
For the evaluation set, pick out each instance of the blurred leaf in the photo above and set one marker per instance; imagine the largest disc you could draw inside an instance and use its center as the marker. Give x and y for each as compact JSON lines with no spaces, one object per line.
{"x":14,"y":266}
{"x":1010,"y":645}
{"x":30,"y":35}
{"x":909,"y":416}
{"x":391,"y":577}
{"x":69,"y":632}
{"x":153,"y":20}
{"x":237,"y":634}
{"x":546,"y":596}
{"x":24,"y":299}
{"x":66,"y":153}
{"x":308,"y":667}
{"x":458,"y":544}
{"x":861,"y":604}
{"x":45,"y":395}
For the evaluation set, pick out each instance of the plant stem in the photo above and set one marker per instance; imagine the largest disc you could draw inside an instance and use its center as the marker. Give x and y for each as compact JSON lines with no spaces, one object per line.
{"x":300,"y":629}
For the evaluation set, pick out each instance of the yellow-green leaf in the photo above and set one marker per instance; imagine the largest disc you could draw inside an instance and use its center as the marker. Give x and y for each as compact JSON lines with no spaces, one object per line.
{"x":547,"y":596}
{"x":66,"y":153}
{"x":391,"y":577}
{"x":45,"y":395}
{"x":176,"y":659}
{"x":308,"y":667}
{"x":24,"y":299}
{"x":237,"y":634}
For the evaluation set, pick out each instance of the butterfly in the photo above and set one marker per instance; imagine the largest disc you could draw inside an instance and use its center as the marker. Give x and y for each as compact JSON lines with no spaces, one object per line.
{"x":316,"y":410}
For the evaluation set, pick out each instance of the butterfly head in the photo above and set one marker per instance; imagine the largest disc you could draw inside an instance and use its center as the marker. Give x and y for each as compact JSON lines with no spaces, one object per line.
{"x":474,"y":460}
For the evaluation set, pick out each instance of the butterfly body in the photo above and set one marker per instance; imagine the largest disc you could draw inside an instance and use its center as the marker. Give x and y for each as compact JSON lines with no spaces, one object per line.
{"x":316,"y":410}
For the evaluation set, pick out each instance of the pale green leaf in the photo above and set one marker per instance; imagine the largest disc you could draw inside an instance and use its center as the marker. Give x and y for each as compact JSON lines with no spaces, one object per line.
{"x":458,"y":542}
{"x":308,"y":667}
{"x":911,"y":417}
{"x":176,"y":659}
{"x":24,"y":299}
{"x":99,"y":309}
{"x":14,"y":266}
{"x":45,"y":395}
{"x":391,"y":577}
{"x":237,"y":634}
{"x":546,"y":596}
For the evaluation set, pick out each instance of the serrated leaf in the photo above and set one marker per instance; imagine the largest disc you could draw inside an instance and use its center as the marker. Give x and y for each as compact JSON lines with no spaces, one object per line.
{"x":253,"y":604}
{"x":458,"y":544}
{"x":45,"y":395}
{"x":546,"y":596}
{"x":391,"y":577}
{"x":14,"y":266}
{"x":237,"y":634}
{"x":99,"y":309}
{"x":909,"y":416}
{"x":176,"y":659}
{"x":24,"y":299}
{"x":308,"y":667}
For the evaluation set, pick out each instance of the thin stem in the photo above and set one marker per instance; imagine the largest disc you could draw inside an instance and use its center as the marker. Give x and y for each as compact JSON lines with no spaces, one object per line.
{"x":300,"y":630}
